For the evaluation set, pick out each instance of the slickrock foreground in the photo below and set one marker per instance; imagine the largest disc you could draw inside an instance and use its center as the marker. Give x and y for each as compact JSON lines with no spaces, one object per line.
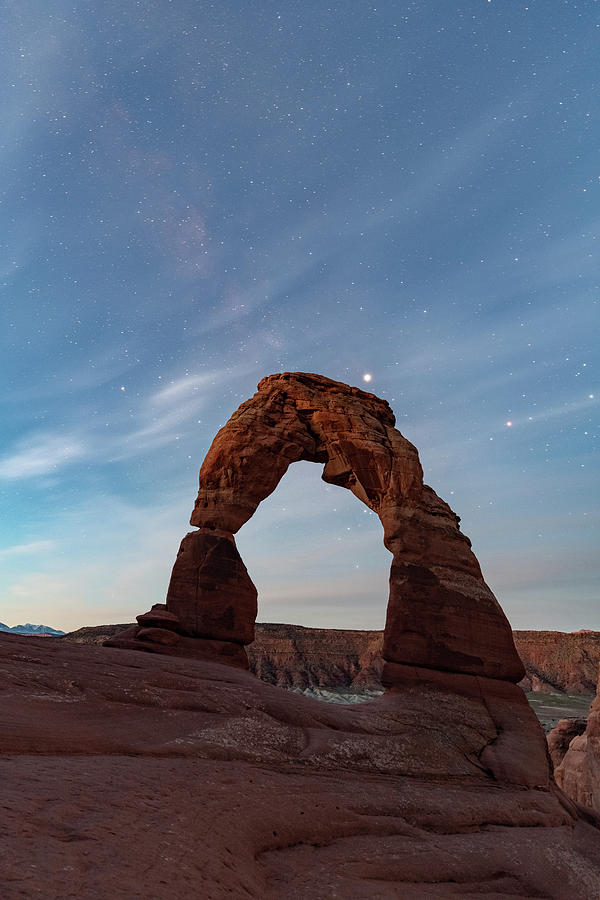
{"x":135,"y":775}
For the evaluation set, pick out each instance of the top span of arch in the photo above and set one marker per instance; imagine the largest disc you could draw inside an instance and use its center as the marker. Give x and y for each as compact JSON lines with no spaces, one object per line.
{"x":299,"y":416}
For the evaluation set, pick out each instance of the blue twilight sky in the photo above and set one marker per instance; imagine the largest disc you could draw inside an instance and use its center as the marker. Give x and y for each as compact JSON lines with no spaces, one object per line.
{"x":196,"y":194}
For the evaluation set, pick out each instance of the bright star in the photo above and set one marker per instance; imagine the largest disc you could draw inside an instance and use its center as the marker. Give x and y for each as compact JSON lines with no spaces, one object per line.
{"x":367,"y":376}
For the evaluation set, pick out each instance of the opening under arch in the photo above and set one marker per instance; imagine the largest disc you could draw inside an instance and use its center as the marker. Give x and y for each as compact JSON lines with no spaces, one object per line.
{"x":316,"y":555}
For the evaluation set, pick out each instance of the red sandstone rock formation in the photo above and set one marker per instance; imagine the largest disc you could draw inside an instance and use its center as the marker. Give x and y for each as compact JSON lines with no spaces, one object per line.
{"x":579,"y":772}
{"x":561,"y":736}
{"x":143,"y":775}
{"x":441,"y":614}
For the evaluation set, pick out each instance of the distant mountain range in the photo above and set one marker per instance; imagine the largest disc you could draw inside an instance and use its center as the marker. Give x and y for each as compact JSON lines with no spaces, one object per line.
{"x":31,"y":629}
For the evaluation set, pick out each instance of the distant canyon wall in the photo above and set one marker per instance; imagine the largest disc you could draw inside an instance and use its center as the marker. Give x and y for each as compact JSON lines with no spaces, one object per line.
{"x":292,"y":656}
{"x":559,"y":661}
{"x":296,"y":657}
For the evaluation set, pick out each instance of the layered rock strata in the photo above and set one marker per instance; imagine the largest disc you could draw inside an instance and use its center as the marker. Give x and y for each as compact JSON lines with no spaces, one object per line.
{"x":441,"y":614}
{"x":559,"y":661}
{"x":295,"y":657}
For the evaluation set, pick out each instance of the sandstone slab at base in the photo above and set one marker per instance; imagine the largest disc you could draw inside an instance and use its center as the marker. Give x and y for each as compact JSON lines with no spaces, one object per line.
{"x":515,"y":750}
{"x":156,"y":640}
{"x":159,"y":617}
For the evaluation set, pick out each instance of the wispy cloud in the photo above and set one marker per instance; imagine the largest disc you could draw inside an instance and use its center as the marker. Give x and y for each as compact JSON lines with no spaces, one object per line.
{"x":161,"y":417}
{"x":31,"y":549}
{"x":299,"y":254}
{"x":185,"y":387}
{"x":41,"y":454}
{"x":556,"y":412}
{"x":40,"y":49}
{"x":170,"y":412}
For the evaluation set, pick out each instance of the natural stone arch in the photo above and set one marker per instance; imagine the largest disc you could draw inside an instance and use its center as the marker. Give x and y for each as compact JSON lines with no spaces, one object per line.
{"x":440,"y":613}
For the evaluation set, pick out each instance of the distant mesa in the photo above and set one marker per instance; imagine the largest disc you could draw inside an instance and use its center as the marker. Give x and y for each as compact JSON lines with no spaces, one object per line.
{"x":441,"y":614}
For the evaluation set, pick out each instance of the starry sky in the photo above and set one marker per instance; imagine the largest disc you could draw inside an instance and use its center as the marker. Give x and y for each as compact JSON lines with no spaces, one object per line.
{"x":197,"y":194}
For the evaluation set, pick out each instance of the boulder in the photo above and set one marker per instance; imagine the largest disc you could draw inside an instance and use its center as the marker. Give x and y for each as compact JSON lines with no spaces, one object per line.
{"x":159,"y":617}
{"x":561,"y":736}
{"x":579,"y":772}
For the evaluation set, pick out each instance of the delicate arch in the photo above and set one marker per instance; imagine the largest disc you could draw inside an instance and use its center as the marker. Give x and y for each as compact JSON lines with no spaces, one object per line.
{"x":440,"y":614}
